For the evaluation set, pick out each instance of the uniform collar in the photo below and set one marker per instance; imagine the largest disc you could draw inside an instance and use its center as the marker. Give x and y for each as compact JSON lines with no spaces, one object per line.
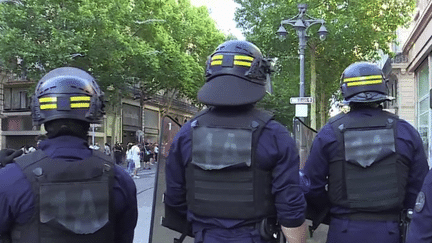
{"x":66,"y":147}
{"x":369,"y":110}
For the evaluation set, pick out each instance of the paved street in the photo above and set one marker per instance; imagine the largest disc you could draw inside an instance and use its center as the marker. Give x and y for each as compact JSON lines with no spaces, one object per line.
{"x":145,"y":187}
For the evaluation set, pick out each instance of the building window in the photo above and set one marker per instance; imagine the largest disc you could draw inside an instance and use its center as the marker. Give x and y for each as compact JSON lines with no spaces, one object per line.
{"x":23,"y":100}
{"x":17,"y":123}
{"x":7,"y":98}
{"x":16,"y":99}
{"x":423,"y":104}
{"x":391,"y":86}
{"x":151,"y":125}
{"x":151,"y":118}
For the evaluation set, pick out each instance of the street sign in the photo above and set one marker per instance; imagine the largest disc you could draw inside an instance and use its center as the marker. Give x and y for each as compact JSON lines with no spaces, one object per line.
{"x":301,"y":100}
{"x":301,"y":110}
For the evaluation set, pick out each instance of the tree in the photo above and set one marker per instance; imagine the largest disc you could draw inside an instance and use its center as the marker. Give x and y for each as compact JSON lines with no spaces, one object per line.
{"x":151,"y":45}
{"x":135,"y":49}
{"x":357,"y":30}
{"x":183,"y":42}
{"x":92,"y":35}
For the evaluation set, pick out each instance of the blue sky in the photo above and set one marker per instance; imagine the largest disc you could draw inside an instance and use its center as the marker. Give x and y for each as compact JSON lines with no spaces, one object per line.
{"x":222,"y":11}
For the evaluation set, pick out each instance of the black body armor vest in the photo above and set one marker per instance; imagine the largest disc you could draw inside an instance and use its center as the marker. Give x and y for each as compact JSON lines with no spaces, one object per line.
{"x":223,"y":180}
{"x":368,"y":175}
{"x":73,"y":200}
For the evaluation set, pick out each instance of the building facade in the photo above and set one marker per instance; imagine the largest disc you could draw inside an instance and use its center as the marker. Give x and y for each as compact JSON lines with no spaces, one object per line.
{"x":410,"y":75}
{"x":16,"y":124}
{"x":134,"y":117}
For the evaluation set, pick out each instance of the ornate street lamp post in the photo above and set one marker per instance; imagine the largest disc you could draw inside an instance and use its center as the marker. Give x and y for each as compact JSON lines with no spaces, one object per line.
{"x":301,"y":23}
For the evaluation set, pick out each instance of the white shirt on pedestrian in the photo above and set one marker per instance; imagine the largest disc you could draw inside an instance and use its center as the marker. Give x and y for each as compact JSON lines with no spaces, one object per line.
{"x":133,"y":154}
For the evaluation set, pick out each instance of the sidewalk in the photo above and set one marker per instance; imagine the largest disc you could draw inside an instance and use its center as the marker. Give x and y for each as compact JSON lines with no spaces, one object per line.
{"x":145,"y":190}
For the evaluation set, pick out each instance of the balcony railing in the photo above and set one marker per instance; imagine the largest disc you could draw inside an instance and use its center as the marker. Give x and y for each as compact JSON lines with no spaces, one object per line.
{"x":400,"y":58}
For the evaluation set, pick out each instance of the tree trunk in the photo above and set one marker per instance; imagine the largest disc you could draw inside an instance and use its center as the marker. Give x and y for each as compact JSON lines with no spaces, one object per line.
{"x":169,"y":100}
{"x":114,"y":138}
{"x":116,"y":107}
{"x":313,"y":86}
{"x":323,"y":107}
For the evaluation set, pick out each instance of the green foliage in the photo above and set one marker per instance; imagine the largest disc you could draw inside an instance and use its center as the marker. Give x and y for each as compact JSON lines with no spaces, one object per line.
{"x":183,"y":42}
{"x":357,"y":30}
{"x":150,"y":44}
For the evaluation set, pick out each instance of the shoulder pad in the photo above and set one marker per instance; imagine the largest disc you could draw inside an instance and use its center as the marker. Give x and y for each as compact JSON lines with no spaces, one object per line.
{"x":337,"y":117}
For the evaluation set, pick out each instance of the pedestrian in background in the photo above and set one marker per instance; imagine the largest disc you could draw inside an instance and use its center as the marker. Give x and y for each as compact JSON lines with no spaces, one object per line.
{"x":64,"y":191}
{"x":156,"y":152}
{"x":133,"y":159}
{"x":107,"y":149}
{"x":147,"y":154}
{"x":143,"y":156}
{"x":94,"y":146}
{"x":367,"y":166}
{"x":232,"y":170}
{"x":130,"y":165}
{"x":151,"y":153}
{"x":118,"y":153}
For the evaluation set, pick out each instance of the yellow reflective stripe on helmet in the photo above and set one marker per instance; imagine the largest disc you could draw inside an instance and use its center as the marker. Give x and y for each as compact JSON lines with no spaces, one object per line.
{"x":79,"y":102}
{"x":80,"y":98}
{"x":80,"y":105}
{"x":240,"y":63}
{"x":217,"y":57}
{"x":47,"y":99}
{"x":51,"y":100}
{"x":239,"y":60}
{"x":364,"y":82}
{"x":363,"y":78}
{"x":48,"y":107}
{"x":216,"y":63}
{"x":245,"y":58}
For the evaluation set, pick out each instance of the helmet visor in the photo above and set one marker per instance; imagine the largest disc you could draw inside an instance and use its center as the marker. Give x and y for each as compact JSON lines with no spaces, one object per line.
{"x":228,"y":90}
{"x":368,"y":97}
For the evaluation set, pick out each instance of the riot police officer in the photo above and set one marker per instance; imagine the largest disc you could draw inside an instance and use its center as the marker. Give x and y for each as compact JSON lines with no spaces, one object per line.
{"x":232,"y":169}
{"x":64,"y":191}
{"x":367,"y":165}
{"x":420,"y":227}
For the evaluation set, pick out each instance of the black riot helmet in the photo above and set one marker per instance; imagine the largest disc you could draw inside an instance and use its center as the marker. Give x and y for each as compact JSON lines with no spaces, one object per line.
{"x":364,"y":82}
{"x":67,"y":93}
{"x":236,"y":74}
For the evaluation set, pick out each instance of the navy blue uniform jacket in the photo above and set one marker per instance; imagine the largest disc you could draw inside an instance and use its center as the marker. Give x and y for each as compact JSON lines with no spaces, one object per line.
{"x":17,"y":198}
{"x":324,"y":147}
{"x":276,"y":151}
{"x":420,"y":228}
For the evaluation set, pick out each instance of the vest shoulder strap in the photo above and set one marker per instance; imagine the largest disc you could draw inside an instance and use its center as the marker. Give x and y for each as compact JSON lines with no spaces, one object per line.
{"x":31,"y":158}
{"x":57,"y":170}
{"x":201,"y":113}
{"x":341,"y":122}
{"x":215,"y":118}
